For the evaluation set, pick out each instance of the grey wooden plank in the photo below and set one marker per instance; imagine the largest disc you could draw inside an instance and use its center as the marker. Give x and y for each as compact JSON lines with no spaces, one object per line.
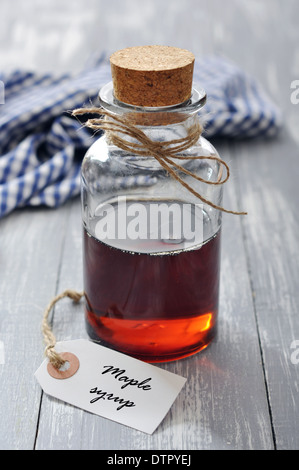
{"x":224,"y":403}
{"x":30,"y":249}
{"x":272,"y":250}
{"x":62,"y":426}
{"x":268,"y":175}
{"x":69,"y":33}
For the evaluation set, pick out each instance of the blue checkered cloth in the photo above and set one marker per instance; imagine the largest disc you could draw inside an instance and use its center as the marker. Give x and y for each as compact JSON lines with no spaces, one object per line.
{"x":42,"y":146}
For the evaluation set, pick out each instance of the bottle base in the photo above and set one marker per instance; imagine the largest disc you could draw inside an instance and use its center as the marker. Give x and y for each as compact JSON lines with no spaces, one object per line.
{"x":153,"y":348}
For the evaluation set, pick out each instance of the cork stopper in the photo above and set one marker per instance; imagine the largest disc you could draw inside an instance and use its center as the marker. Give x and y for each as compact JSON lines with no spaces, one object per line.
{"x":152,"y":75}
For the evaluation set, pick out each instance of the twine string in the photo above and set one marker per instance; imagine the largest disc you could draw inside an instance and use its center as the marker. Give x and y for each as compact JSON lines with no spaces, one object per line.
{"x":54,"y":357}
{"x":163,"y":152}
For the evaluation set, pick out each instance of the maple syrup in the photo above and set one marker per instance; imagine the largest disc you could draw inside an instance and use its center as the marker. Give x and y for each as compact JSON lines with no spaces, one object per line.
{"x":154,"y":305}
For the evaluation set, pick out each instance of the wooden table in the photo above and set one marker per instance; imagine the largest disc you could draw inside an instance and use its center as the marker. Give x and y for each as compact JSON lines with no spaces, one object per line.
{"x":243,"y":391}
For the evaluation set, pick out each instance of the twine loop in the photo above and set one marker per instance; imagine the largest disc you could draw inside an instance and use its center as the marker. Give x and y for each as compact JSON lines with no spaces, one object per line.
{"x":54,"y":357}
{"x":164,"y":152}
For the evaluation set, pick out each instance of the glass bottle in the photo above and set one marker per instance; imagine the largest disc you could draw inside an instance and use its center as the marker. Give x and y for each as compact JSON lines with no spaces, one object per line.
{"x":151,"y":247}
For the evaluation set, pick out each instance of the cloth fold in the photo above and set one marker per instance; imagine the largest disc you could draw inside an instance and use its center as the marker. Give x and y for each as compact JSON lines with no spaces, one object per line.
{"x":42,"y":146}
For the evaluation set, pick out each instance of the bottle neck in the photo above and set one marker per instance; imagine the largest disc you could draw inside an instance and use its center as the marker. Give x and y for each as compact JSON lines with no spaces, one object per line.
{"x":153,"y":116}
{"x":162,"y":127}
{"x":175,"y":126}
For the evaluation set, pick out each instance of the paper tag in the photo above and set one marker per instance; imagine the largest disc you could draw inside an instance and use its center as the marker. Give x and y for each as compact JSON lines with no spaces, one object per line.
{"x":113,"y":385}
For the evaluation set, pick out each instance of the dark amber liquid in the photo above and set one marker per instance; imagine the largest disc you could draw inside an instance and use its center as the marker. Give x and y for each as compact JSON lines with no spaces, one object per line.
{"x":153,"y":307}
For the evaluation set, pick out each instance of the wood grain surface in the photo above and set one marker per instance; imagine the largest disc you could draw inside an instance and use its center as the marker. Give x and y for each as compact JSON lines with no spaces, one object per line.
{"x":242,"y":391}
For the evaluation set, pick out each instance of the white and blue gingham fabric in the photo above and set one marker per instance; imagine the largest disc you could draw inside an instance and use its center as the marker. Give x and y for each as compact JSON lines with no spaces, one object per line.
{"x":42,"y":146}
